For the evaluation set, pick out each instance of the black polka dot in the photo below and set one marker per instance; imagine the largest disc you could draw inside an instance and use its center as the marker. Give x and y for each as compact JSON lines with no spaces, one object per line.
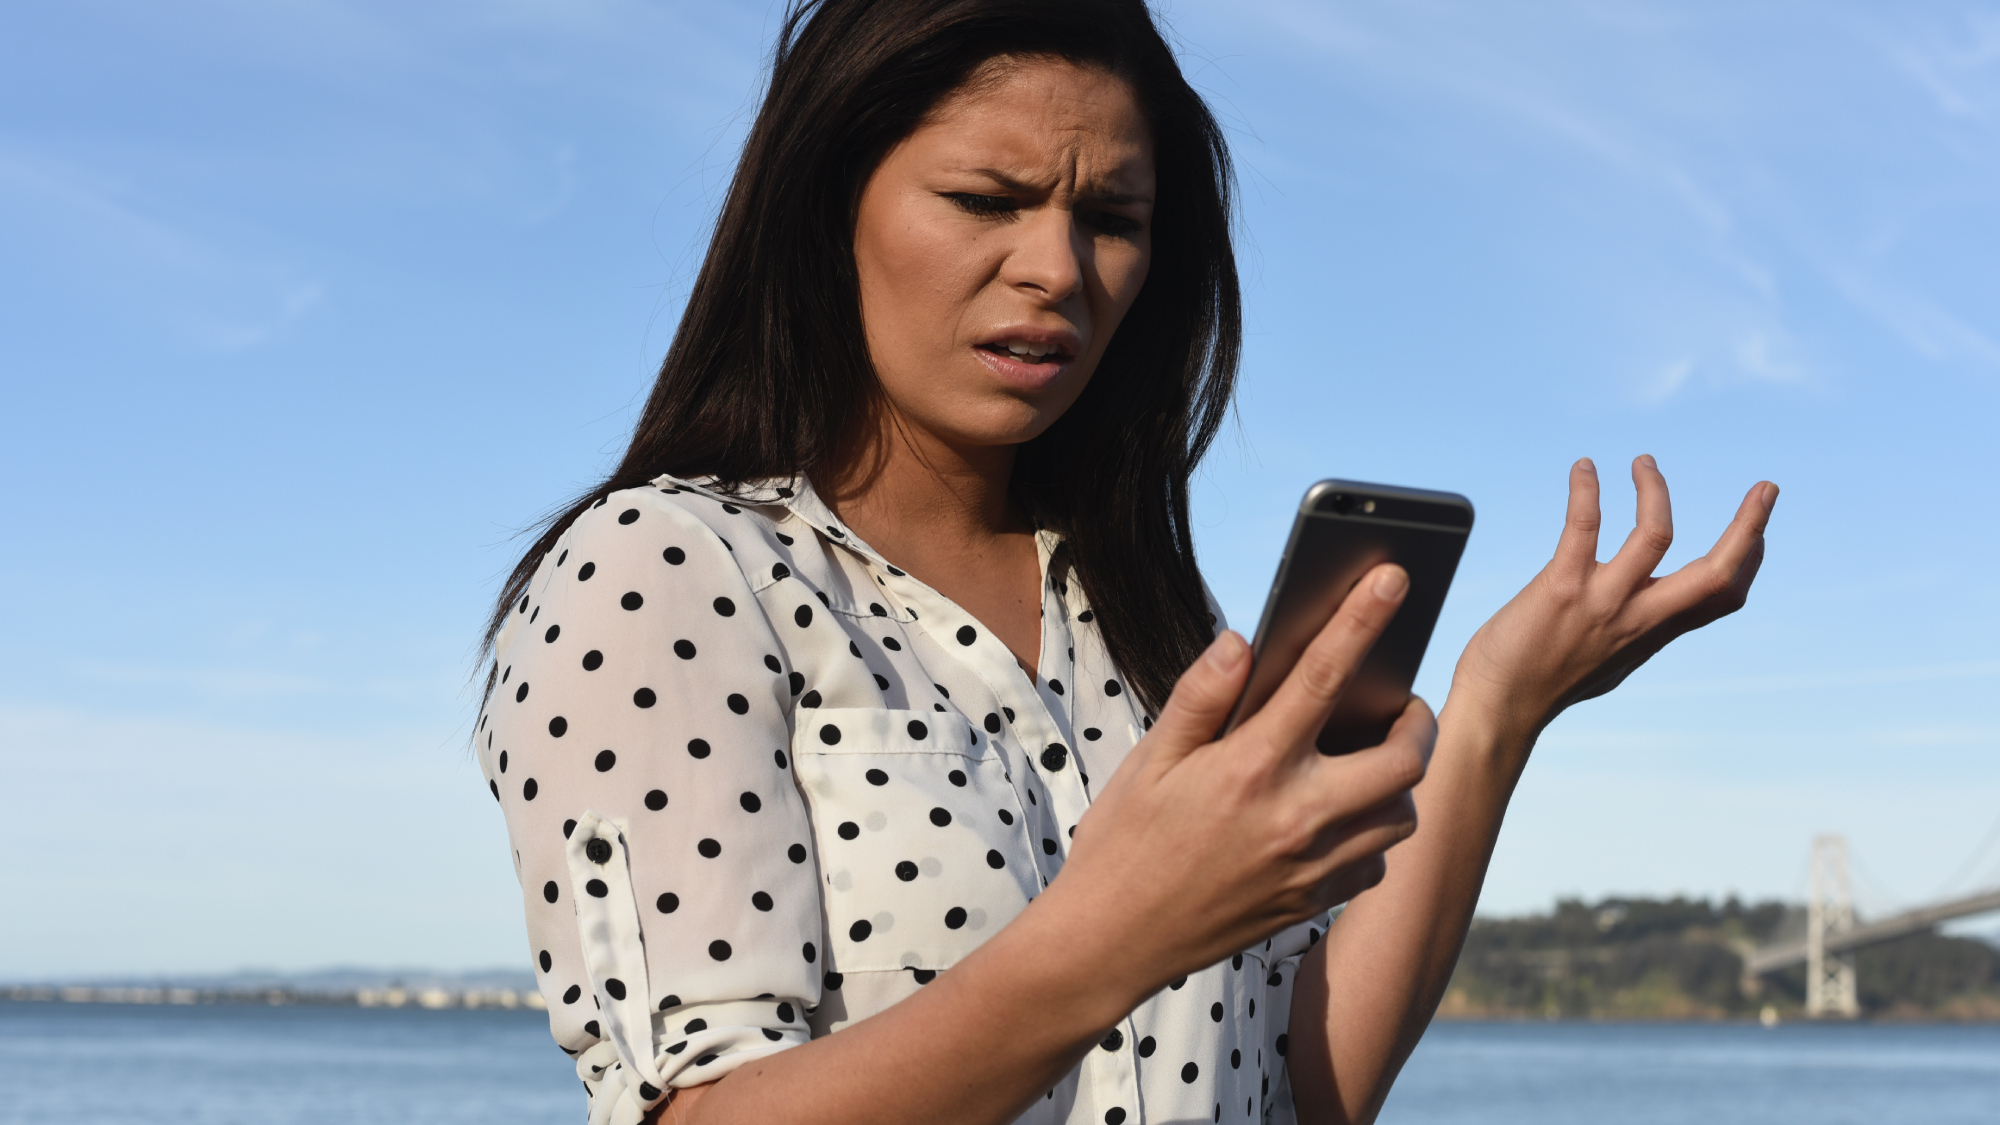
{"x":1177,"y":983}
{"x":967,"y":634}
{"x":709,"y":1058}
{"x":771,"y":662}
{"x":995,"y":860}
{"x":667,"y":903}
{"x":558,"y":726}
{"x":529,"y":789}
{"x":956,"y":777}
{"x":725,"y":607}
{"x":1006,"y":817}
{"x":605,"y":760}
{"x":1275,"y":979}
{"x":614,"y":988}
{"x":598,"y":850}
{"x":1087,"y":616}
{"x":520,"y":693}
{"x":631,"y":600}
{"x":859,"y":931}
{"x":674,"y":556}
{"x":550,"y":636}
{"x":739,"y":704}
{"x":596,"y":888}
{"x":848,"y":830}
{"x":940,"y":817}
{"x":1114,"y":1040}
{"x":1190,"y":1072}
{"x":877,"y":777}
{"x":629,"y":515}
{"x":853,"y":650}
{"x":1146,"y":1047}
{"x":785,"y":539}
{"x":697,"y":748}
{"x":669,"y":1001}
{"x":684,"y":649}
{"x":992,"y":723}
{"x":796,"y":681}
{"x":803,"y":616}
{"x":954,"y":918}
{"x":1113,"y":687}
{"x":1235,"y":1060}
{"x":593,"y":660}
{"x":550,"y":892}
{"x":785,"y":1012}
{"x":750,"y":802}
{"x":1092,"y":734}
{"x":881,"y":681}
{"x":547,"y":961}
{"x":648,"y":1091}
{"x":780,"y":571}
{"x":1215,"y":1011}
{"x":1009,"y":712}
{"x":1056,"y":686}
{"x":906,"y":871}
{"x":583,"y":574}
{"x":1048,"y":846}
{"x":830,"y":734}
{"x":1114,"y":1116}
{"x":924,"y":976}
{"x":720,"y":951}
{"x":892,"y":644}
{"x":796,"y":853}
{"x":644,"y":697}
{"x":569,"y":826}
{"x":1236,"y":962}
{"x":656,"y":800}
{"x":562,"y":558}
{"x":778,"y":756}
{"x":809,"y":699}
{"x":1284,"y":1044}
{"x":503,"y":761}
{"x":572,"y":994}
{"x":811,"y":955}
{"x":708,"y":848}
{"x":918,"y":730}
{"x":761,"y":901}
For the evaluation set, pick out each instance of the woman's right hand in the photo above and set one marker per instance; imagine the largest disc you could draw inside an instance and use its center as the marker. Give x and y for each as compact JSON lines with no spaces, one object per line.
{"x":1198,"y":848}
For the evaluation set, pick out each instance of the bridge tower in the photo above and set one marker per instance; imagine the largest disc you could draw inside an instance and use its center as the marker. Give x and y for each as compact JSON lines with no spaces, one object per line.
{"x":1829,"y":913}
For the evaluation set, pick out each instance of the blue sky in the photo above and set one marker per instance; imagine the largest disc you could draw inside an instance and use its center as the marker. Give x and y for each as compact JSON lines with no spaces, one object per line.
{"x":305,"y":307}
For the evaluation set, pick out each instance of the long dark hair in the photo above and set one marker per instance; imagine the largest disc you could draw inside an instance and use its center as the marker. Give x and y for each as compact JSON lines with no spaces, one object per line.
{"x":768,"y":375}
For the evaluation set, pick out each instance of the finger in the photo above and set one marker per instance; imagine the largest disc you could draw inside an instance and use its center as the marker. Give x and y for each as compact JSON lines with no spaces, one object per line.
{"x":1723,"y":575}
{"x":1364,"y":779}
{"x":1299,"y":707}
{"x":1202,"y":698}
{"x":1653,"y":532}
{"x":1576,"y":552}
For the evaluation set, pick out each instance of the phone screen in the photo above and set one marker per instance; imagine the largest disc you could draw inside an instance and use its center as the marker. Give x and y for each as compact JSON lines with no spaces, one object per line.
{"x":1343,"y":530}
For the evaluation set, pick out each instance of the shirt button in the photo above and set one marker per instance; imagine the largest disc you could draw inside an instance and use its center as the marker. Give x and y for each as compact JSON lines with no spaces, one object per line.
{"x":597,"y":851}
{"x":1054,"y":757}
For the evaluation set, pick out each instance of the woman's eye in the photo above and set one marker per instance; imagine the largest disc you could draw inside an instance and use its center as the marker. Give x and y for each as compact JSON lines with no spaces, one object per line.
{"x":1108,"y":222}
{"x":983,"y":204}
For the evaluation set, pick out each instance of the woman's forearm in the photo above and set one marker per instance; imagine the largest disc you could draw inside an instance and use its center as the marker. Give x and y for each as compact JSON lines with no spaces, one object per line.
{"x":975,"y":1046}
{"x":1366,"y":993}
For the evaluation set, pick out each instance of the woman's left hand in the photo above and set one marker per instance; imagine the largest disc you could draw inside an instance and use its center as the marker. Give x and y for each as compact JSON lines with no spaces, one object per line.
{"x":1582,"y":626}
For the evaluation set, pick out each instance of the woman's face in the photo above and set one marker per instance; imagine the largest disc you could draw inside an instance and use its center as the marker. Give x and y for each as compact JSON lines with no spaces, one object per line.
{"x":999,"y":246}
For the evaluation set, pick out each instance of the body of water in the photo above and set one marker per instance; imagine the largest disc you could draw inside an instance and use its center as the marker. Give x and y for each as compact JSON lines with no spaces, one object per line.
{"x":99,"y":1064}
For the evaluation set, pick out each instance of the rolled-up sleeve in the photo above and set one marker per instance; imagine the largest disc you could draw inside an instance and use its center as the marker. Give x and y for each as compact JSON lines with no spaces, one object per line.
{"x":636,"y":738}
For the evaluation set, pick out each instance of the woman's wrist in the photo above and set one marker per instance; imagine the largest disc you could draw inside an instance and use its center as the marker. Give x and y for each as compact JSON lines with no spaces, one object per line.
{"x":1487,"y":726}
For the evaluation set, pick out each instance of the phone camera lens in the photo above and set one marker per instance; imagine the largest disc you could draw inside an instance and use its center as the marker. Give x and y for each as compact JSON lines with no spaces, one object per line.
{"x":1340,"y":502}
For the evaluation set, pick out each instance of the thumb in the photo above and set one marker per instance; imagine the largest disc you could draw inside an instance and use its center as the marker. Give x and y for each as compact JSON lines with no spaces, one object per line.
{"x":1202,"y":699}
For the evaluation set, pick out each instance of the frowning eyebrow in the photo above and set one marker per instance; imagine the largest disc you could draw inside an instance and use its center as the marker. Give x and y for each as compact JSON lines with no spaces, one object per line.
{"x":1095,"y":195}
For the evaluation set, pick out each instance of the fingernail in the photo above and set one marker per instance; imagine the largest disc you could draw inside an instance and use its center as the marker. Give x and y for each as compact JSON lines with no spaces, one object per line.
{"x":1646,"y":459}
{"x":1227,"y":651}
{"x":1770,"y":497}
{"x":1588,"y":466}
{"x":1390,"y":584}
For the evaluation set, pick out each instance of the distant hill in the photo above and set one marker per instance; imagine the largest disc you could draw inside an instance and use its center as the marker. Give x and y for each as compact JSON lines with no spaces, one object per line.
{"x":1631,"y":958}
{"x":334,"y":979}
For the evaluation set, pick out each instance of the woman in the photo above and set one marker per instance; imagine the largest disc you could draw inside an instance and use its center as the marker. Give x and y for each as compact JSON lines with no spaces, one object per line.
{"x":854,"y":737}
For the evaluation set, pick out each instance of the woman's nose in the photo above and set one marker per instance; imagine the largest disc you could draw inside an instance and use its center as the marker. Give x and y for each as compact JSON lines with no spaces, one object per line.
{"x":1048,"y":258}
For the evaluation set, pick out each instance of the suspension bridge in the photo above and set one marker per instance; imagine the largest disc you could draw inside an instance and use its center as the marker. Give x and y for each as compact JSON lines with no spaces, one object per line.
{"x":1834,"y":932}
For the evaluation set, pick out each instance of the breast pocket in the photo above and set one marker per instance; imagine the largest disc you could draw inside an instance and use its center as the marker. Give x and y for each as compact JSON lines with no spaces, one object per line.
{"x":921,"y":842}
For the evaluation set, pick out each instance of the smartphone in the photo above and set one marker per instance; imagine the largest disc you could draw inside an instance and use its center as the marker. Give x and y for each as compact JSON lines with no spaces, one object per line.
{"x":1343,"y":530}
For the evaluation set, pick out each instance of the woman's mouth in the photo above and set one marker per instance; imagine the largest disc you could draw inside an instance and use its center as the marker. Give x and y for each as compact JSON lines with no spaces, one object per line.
{"x":1022,"y":351}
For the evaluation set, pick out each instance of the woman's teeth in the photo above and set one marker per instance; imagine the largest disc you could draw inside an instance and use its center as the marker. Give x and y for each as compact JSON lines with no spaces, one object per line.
{"x":1019,"y":348}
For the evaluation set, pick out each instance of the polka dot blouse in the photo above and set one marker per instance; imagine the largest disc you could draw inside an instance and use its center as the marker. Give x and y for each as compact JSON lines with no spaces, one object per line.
{"x":761,"y":784}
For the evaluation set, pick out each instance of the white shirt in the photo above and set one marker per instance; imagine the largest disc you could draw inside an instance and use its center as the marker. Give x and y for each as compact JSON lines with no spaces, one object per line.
{"x":761,"y":784}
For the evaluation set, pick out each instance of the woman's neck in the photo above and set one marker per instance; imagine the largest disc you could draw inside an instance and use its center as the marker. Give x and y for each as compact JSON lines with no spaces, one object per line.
{"x":945,"y":514}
